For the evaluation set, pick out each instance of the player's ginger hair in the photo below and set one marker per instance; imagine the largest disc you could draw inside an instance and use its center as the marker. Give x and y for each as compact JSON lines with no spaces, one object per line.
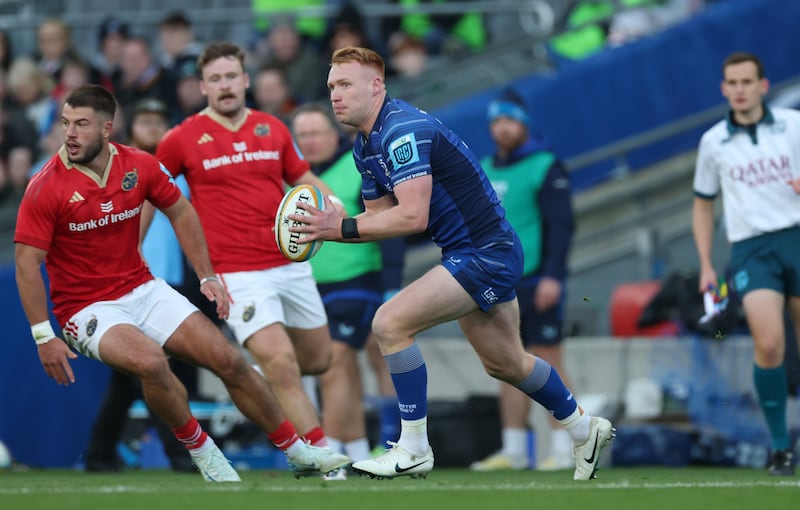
{"x":363,"y":56}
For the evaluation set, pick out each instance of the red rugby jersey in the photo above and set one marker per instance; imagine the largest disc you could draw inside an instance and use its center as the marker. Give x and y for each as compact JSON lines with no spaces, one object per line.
{"x":236,"y":175}
{"x":89,"y":226}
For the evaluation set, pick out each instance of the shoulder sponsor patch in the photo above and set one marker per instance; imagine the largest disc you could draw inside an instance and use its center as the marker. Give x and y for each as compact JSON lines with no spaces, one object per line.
{"x":403,"y":150}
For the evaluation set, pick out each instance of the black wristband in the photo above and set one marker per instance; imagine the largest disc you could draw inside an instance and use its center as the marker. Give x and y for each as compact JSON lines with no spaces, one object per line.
{"x":350,"y":228}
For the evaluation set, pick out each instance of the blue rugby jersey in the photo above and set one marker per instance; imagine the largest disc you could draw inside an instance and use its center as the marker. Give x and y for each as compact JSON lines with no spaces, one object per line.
{"x":406,"y":143}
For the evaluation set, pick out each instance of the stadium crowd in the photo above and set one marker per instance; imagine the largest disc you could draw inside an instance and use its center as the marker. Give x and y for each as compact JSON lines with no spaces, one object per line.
{"x":282,"y":56}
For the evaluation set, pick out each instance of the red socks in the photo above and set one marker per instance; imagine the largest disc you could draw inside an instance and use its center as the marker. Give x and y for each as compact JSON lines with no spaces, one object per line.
{"x":284,"y":436}
{"x":191,"y":435}
{"x":316,"y":437}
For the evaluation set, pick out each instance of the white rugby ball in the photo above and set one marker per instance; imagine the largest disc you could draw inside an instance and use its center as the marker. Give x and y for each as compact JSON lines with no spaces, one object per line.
{"x":288,"y":242}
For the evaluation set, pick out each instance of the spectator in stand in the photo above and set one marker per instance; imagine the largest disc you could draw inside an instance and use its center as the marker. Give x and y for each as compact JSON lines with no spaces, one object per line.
{"x":346,"y":29}
{"x":534,"y":187}
{"x":48,"y":145}
{"x":15,"y":127}
{"x":272,"y":94}
{"x":10,"y":198}
{"x":7,"y":195}
{"x":14,"y":166}
{"x":177,"y":42}
{"x":31,"y":89}
{"x":453,"y":35}
{"x":286,"y":48}
{"x":190,"y":97}
{"x":111,"y":37}
{"x":142,"y":77}
{"x":588,"y":26}
{"x":311,"y":28}
{"x":408,"y":57}
{"x":6,"y":51}
{"x":19,"y":162}
{"x":75,"y":73}
{"x":54,"y":47}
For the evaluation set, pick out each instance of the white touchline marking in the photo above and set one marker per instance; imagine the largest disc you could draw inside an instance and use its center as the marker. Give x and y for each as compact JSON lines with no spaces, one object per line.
{"x":263,"y":486}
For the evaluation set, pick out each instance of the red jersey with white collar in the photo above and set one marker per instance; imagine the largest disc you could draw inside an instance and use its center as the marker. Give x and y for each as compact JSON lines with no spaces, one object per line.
{"x":236,"y":175}
{"x":89,"y":226}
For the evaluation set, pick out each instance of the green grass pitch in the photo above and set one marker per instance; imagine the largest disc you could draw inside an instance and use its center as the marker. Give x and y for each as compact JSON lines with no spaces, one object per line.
{"x":444,"y":489}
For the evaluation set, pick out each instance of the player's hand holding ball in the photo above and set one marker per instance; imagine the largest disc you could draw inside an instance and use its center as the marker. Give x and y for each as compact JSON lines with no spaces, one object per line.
{"x":305,"y":218}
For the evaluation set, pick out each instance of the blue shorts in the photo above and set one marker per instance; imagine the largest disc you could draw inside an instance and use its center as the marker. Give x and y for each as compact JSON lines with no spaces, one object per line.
{"x":539,"y":328}
{"x":489,"y":273}
{"x":768,"y":261}
{"x":350,"y":306}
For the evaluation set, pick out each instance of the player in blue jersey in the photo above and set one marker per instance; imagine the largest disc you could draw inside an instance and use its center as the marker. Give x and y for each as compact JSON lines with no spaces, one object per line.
{"x":418,"y":175}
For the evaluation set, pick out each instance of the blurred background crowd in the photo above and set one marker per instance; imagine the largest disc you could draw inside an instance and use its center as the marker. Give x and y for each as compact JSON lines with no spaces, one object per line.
{"x":152,"y":52}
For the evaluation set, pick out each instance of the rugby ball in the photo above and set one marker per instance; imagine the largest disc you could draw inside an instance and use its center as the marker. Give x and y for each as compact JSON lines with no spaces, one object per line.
{"x":289,"y":242}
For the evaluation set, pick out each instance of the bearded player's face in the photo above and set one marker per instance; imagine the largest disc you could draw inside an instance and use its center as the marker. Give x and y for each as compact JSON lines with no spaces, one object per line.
{"x":224,"y":83}
{"x":85,"y":133}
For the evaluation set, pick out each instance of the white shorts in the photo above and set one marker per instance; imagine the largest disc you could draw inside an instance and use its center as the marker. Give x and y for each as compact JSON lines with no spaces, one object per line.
{"x":154,"y":307}
{"x":287,"y":294}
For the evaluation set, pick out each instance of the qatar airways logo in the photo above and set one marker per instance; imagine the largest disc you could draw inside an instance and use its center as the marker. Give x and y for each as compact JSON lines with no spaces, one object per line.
{"x":239,"y":158}
{"x":763,"y":171}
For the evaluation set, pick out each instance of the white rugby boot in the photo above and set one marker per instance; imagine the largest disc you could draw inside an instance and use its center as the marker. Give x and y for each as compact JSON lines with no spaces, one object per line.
{"x":335,"y":475}
{"x":315,"y":458}
{"x":500,"y":462}
{"x":214,"y":467}
{"x":394,"y":462}
{"x":587,"y":453}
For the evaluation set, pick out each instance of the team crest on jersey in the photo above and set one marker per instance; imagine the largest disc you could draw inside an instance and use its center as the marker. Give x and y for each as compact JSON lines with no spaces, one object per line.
{"x":403,"y":150}
{"x":249,"y":312}
{"x":91,"y":326}
{"x":261,"y":130}
{"x":130,"y":180}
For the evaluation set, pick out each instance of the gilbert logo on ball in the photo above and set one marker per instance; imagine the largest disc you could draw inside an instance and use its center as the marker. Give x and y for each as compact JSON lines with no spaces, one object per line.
{"x":289,"y":242}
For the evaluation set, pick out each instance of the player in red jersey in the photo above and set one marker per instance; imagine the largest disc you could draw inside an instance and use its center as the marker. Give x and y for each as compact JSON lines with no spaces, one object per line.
{"x":81,"y":216}
{"x":237,"y":162}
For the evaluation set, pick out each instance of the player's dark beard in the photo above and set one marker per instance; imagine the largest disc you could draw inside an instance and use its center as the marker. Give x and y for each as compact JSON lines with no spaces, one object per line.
{"x":90,"y":152}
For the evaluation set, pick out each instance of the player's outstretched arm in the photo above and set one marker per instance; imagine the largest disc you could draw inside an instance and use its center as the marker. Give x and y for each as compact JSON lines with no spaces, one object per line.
{"x":54,"y":355}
